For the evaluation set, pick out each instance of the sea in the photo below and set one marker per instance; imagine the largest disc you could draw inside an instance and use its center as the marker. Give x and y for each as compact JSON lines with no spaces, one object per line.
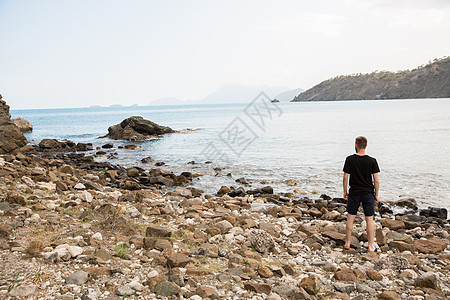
{"x":262,"y":143}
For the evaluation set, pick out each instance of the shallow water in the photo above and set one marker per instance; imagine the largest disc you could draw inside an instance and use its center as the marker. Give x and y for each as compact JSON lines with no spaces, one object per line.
{"x":307,"y":142}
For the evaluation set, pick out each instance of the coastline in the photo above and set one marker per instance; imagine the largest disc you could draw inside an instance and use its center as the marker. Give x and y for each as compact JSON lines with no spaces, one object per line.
{"x":73,"y":227}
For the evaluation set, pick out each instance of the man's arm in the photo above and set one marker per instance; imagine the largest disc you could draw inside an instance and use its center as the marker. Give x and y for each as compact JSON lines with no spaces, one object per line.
{"x":376,"y":183}
{"x":345,"y":185}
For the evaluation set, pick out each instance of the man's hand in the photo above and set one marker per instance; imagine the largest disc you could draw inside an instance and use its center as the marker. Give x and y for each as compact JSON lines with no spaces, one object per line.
{"x":376,"y":199}
{"x":345,"y":184}
{"x":346,"y":196}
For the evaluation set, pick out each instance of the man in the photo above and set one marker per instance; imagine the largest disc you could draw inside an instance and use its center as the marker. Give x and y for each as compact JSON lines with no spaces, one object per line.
{"x":364,"y":186}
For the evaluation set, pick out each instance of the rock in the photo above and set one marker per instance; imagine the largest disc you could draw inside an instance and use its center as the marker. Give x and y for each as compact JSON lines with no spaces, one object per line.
{"x":125,"y":290}
{"x":166,"y":289}
{"x":49,"y":144}
{"x":16,"y":198}
{"x":388,"y":295}
{"x":427,"y":280}
{"x":273,"y":296}
{"x":265,"y":272}
{"x":344,"y":287}
{"x":157,"y":243}
{"x":393,"y":224}
{"x":311,"y":284}
{"x":291,"y":182}
{"x":207,"y":292}
{"x":287,"y":290}
{"x":261,"y":241}
{"x":23,"y":125}
{"x":177,"y":260}
{"x":136,"y":129}
{"x":261,"y":288}
{"x":85,"y":196}
{"x":224,"y":226}
{"x":74,"y":251}
{"x":436,"y":212}
{"x":23,"y":290}
{"x":430,"y":246}
{"x":157,"y":231}
{"x":374,"y":275}
{"x":90,"y":294}
{"x":380,"y":237}
{"x":402,"y":246}
{"x":97,"y":236}
{"x":345,"y":274}
{"x":223,"y":190}
{"x":78,"y":278}
{"x":362,"y":288}
{"x":10,"y":136}
{"x":394,"y":262}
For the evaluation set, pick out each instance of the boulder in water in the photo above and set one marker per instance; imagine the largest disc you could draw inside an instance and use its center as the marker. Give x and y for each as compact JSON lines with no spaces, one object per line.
{"x":137,"y":129}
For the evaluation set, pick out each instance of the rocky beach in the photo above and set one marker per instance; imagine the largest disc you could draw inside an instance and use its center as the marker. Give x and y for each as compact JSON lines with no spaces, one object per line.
{"x":75,"y":228}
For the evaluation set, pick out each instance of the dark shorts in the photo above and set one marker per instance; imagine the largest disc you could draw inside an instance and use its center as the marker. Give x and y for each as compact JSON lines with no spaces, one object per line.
{"x":368,"y":204}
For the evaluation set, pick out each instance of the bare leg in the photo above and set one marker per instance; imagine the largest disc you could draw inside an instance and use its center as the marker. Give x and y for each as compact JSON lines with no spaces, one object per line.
{"x":348,"y":229}
{"x":370,"y":227}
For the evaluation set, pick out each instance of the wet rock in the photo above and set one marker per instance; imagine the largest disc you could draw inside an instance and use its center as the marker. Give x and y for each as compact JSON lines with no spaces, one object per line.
{"x":49,"y":144}
{"x":436,"y":212}
{"x":223,"y":190}
{"x":430,"y":246}
{"x":147,"y":160}
{"x":384,"y":208}
{"x":261,"y":241}
{"x":136,"y":129}
{"x":78,"y":278}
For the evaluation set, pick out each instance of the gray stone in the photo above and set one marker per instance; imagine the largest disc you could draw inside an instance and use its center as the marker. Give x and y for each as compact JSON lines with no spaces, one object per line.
{"x":90,"y":294}
{"x":79,"y":277}
{"x":23,"y":290}
{"x":361,"y":288}
{"x":125,"y":290}
{"x":344,"y":287}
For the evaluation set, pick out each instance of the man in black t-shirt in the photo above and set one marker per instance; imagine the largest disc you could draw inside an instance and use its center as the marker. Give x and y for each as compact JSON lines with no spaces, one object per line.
{"x":364,"y":186}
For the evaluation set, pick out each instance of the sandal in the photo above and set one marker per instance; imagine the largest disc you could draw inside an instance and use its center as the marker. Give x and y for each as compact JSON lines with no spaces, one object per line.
{"x":376,"y":250}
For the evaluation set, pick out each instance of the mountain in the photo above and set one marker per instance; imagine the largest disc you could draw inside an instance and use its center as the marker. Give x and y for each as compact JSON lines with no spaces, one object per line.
{"x":429,"y":81}
{"x":167,"y":101}
{"x":289,"y":95}
{"x":236,"y":93}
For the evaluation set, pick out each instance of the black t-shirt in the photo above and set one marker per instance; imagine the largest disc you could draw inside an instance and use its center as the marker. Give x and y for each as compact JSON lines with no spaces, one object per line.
{"x":361,"y":168}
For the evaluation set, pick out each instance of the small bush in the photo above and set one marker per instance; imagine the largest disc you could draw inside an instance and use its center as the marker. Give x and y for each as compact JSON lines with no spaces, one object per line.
{"x":121,"y":251}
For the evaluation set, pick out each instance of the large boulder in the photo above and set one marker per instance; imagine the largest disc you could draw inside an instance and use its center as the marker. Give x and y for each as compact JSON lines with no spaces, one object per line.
{"x":23,"y":125}
{"x":137,"y":129}
{"x":10,"y":136}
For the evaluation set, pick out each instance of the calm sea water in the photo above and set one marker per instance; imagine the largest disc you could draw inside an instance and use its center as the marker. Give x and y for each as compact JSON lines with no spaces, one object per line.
{"x":307,"y":142}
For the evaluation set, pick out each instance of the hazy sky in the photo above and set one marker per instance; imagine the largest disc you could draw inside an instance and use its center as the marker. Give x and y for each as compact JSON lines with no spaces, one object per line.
{"x":72,"y":53}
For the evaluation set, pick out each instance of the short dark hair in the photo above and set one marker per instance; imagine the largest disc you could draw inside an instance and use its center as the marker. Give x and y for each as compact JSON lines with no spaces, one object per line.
{"x":361,"y":141}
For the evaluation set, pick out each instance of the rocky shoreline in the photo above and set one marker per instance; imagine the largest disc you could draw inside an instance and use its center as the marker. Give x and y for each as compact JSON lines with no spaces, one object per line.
{"x":73,"y":228}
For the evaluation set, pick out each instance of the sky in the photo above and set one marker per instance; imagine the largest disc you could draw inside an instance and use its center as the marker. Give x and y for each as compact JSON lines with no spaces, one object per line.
{"x":77,"y":53}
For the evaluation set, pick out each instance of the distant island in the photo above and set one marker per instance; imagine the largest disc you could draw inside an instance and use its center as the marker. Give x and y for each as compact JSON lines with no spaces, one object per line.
{"x":428,"y":81}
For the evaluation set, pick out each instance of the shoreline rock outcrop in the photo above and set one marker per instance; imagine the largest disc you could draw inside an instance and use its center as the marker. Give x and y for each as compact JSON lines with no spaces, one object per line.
{"x":23,"y":125}
{"x":10,"y":136}
{"x":137,"y":129}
